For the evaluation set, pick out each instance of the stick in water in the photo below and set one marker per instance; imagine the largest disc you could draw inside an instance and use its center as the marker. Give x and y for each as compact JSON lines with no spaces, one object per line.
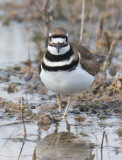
{"x":102,"y":145}
{"x":25,"y":133}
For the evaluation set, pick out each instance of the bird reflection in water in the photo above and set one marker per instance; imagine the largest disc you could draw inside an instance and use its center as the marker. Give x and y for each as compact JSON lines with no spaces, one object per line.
{"x":62,"y":146}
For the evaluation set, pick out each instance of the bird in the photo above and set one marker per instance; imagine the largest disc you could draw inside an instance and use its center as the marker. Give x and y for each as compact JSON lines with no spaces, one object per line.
{"x":66,"y":67}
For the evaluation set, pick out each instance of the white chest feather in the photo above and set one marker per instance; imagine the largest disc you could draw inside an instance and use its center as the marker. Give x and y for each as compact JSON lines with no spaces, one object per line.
{"x":65,"y":82}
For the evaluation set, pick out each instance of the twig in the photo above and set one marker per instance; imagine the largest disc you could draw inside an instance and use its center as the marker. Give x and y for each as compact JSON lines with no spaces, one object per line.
{"x":101,"y":22}
{"x":15,"y":123}
{"x":7,"y":139}
{"x":82,"y":21}
{"x":102,"y":145}
{"x":67,"y":125}
{"x":34,"y":155}
{"x":109,"y":53}
{"x":106,"y":5}
{"x":28,"y":8}
{"x":107,"y":40}
{"x":118,"y":78}
{"x":25,"y":133}
{"x":75,"y":9}
{"x":51,"y":140}
{"x":89,"y":22}
{"x":46,"y":12}
{"x":102,"y":19}
{"x":101,"y":26}
{"x":29,"y":48}
{"x":21,"y":150}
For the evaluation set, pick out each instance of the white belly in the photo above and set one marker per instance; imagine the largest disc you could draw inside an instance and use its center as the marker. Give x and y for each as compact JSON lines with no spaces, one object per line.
{"x":67,"y":82}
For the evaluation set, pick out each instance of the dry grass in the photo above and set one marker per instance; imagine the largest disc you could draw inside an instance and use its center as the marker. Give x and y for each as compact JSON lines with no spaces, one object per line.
{"x":109,"y":54}
{"x":118,"y":78}
{"x":82,"y":21}
{"x":25,"y":133}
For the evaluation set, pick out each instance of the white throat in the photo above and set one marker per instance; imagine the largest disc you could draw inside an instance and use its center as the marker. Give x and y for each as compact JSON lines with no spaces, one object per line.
{"x":63,"y":50}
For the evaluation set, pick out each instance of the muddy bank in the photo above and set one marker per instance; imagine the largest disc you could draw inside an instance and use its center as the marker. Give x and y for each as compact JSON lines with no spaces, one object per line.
{"x":20,"y":80}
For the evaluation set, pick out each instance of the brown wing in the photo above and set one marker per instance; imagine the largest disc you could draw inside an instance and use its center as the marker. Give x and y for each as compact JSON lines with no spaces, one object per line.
{"x":41,"y":55}
{"x":39,"y":68}
{"x":88,"y":61}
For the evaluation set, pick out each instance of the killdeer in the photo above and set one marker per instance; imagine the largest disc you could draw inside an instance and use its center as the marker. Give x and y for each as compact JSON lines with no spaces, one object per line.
{"x":67,"y":68}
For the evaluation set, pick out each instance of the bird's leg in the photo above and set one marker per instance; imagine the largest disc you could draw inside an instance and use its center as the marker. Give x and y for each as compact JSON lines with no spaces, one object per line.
{"x":59,"y":101}
{"x":68,"y":104}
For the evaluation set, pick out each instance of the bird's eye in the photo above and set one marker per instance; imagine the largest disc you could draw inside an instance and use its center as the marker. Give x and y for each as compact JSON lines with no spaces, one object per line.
{"x":66,"y":39}
{"x":50,"y":38}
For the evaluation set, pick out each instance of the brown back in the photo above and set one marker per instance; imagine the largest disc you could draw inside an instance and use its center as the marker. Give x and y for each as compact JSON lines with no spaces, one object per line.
{"x":88,"y":61}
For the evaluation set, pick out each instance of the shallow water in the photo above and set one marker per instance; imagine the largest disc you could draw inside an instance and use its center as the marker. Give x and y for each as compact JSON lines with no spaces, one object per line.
{"x":66,"y":140}
{"x":14,"y":45}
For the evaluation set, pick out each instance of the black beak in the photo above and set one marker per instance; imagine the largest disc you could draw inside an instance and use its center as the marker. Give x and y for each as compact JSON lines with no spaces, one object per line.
{"x":58,"y":47}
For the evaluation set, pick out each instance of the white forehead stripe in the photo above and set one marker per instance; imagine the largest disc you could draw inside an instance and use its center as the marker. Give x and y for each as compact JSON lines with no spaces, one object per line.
{"x":49,"y":34}
{"x":60,"y":40}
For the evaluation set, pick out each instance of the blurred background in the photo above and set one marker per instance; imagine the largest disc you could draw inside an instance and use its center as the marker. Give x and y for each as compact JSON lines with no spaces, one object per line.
{"x":29,"y":21}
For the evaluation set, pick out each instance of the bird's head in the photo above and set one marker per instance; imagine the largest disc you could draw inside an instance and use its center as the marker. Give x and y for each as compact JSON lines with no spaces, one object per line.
{"x":58,"y":39}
